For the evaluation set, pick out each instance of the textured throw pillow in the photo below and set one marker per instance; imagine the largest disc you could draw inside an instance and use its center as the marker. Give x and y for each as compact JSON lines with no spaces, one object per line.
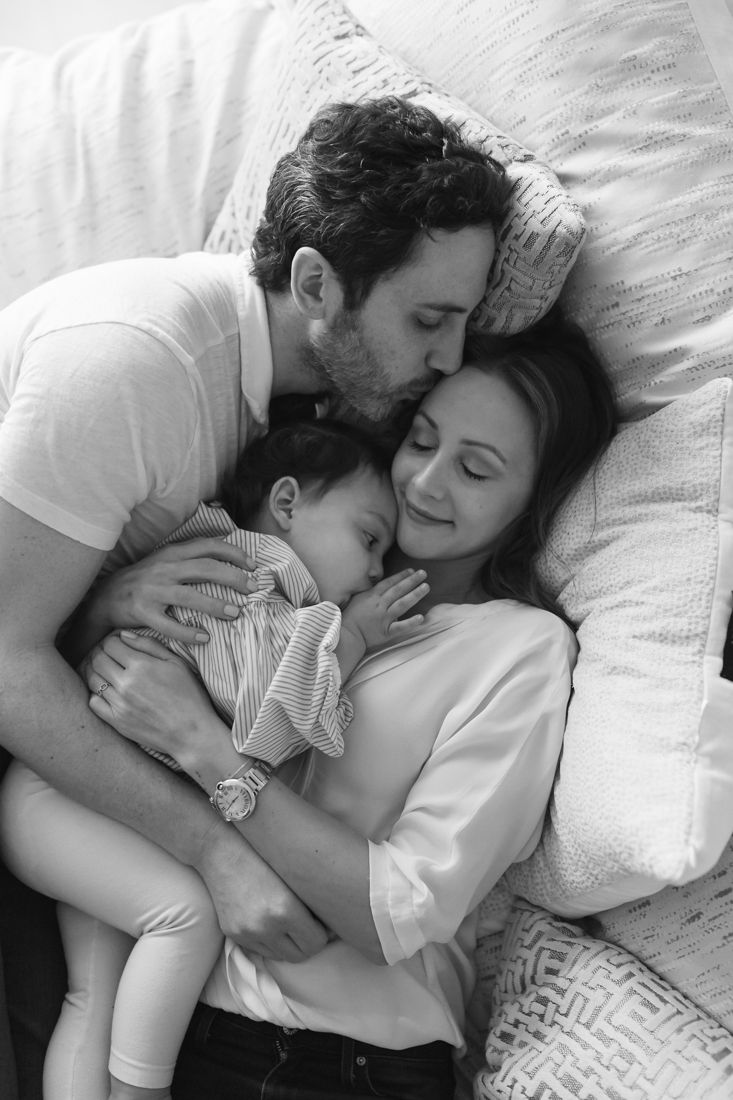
{"x":642,"y":561}
{"x":631,"y":103}
{"x":327,"y":57}
{"x":573,"y":1017}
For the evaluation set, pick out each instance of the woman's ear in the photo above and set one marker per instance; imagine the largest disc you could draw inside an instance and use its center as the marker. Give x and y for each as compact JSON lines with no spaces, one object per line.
{"x":315,"y":286}
{"x":284,"y":496}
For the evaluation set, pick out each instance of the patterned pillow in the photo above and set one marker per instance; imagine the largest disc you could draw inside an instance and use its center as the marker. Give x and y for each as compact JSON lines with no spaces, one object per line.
{"x":631,"y":102}
{"x":327,"y":56}
{"x":642,"y":560}
{"x":685,"y":934}
{"x":574,"y":1017}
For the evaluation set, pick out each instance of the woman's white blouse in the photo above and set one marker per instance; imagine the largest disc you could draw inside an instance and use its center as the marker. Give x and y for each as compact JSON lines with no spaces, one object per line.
{"x":448,"y":768}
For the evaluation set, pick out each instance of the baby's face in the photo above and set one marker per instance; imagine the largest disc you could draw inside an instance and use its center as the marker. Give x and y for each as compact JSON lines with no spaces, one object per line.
{"x":342,"y":536}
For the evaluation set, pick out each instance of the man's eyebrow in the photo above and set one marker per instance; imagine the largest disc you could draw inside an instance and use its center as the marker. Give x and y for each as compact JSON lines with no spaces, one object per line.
{"x":443,"y":307}
{"x":469,"y":442}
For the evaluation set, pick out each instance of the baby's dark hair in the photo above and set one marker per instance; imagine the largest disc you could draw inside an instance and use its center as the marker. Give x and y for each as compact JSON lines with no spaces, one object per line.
{"x":318,"y":453}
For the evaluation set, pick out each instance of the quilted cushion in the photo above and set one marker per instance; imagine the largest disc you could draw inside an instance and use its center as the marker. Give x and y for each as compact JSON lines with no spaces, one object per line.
{"x":327,"y":56}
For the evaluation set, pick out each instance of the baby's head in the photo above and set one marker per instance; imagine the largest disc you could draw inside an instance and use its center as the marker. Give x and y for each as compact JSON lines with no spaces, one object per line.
{"x":324,"y":488}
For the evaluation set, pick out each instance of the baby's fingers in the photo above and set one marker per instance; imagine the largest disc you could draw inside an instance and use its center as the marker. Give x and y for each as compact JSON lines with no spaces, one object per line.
{"x":403,"y":626}
{"x":403,"y":603}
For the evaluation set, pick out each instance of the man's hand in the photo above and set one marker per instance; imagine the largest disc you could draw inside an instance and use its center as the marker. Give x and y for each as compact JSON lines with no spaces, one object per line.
{"x":140,"y":594}
{"x":255,"y":907}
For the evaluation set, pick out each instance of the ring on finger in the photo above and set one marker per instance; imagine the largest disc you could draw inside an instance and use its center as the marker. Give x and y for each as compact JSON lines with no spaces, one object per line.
{"x":102,"y":688}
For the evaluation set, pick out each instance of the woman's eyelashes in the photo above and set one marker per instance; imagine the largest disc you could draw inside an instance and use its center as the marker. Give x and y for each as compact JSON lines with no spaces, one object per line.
{"x":422,"y":446}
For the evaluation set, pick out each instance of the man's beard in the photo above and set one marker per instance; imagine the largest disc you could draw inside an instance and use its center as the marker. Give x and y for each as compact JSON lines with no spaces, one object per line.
{"x":359,"y":386}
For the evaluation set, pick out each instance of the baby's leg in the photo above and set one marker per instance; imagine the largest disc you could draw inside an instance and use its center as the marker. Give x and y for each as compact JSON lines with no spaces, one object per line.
{"x":77,"y":1056}
{"x":119,"y":877}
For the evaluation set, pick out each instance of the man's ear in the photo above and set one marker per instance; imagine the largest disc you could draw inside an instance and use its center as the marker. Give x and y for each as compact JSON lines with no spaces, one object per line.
{"x":284,"y":495}
{"x":315,"y":286}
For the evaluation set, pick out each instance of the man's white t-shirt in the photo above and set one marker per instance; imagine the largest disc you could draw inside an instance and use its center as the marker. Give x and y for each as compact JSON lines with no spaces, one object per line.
{"x":127,"y":391}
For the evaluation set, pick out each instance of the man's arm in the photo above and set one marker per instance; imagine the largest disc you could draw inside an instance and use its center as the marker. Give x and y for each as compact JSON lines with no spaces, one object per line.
{"x":46,"y":722}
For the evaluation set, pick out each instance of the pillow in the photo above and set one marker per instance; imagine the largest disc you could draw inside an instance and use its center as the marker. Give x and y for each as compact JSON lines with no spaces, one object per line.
{"x":126,"y":143}
{"x":685,"y":935}
{"x":632,"y":105}
{"x":326,"y":57}
{"x":641,"y":559}
{"x":573,"y":1017}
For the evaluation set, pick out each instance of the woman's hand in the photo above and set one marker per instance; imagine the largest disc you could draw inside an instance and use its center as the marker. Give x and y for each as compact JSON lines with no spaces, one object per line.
{"x":139,"y":594}
{"x":152,"y":696}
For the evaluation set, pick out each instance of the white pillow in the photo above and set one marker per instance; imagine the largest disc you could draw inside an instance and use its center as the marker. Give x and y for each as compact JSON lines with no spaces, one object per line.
{"x":631,"y":103}
{"x":126,"y":143}
{"x":642,"y":560}
{"x":326,"y":57}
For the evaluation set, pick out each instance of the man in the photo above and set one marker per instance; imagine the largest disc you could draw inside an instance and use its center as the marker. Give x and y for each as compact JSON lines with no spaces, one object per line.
{"x":127,"y":391}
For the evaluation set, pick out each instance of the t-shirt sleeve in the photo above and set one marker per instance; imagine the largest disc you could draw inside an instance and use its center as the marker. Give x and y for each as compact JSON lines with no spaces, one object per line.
{"x":479,"y":802}
{"x":102,"y":417}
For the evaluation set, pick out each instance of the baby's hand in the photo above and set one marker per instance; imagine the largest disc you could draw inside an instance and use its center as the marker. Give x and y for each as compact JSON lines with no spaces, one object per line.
{"x":375,"y":616}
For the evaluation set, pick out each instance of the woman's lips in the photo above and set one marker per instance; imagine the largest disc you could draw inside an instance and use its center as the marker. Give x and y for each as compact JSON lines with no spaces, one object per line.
{"x":418,"y":515}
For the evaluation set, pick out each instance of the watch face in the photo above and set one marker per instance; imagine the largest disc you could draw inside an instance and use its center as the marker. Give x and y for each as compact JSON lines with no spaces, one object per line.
{"x":233,"y":799}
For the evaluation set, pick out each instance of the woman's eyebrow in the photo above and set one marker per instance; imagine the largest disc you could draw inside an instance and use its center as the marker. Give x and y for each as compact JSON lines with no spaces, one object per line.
{"x":468,"y":442}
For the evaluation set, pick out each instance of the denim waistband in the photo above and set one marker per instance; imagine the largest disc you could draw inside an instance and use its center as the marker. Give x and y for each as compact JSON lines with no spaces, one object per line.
{"x":213,"y":1020}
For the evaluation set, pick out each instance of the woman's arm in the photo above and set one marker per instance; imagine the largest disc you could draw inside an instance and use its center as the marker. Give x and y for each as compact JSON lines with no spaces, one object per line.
{"x":322,"y":860}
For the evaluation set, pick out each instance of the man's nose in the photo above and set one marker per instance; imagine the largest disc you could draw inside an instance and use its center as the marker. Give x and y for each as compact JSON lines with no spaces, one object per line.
{"x":446,"y":355}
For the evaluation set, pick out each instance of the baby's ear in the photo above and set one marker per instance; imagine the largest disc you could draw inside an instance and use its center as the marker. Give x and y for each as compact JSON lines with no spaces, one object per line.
{"x":283,"y":497}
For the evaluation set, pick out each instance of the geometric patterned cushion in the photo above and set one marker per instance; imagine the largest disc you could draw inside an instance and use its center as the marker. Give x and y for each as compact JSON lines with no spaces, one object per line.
{"x":327,"y":56}
{"x":575,"y":1017}
{"x":685,"y":935}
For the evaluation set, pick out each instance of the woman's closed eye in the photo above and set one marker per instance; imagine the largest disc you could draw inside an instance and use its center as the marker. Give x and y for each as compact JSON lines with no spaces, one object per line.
{"x":472,"y":473}
{"x":417,"y":445}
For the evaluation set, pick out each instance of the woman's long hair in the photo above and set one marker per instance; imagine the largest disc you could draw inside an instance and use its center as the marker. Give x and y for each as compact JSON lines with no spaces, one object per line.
{"x":554,"y":371}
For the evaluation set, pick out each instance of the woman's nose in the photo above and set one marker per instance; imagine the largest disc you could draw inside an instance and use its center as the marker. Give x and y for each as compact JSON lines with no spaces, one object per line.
{"x":429,"y":480}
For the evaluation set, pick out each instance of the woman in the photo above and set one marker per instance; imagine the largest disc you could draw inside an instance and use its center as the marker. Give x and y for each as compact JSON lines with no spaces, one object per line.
{"x":448,"y":764}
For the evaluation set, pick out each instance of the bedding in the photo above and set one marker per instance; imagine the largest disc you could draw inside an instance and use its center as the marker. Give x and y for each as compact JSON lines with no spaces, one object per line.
{"x":147,"y":140}
{"x":326,"y":56}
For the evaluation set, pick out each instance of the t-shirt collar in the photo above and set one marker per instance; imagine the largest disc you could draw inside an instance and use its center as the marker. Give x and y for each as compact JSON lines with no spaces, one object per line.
{"x":254,"y":343}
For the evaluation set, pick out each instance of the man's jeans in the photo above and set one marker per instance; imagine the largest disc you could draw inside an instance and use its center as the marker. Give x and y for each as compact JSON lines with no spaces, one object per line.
{"x":32,"y":963}
{"x":232,"y":1058}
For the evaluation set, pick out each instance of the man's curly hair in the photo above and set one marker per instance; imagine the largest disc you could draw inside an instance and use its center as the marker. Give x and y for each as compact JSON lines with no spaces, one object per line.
{"x":363,"y":183}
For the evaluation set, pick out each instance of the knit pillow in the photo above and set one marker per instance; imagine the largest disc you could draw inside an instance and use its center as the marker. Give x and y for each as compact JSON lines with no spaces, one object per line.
{"x":329,"y":57}
{"x":642,"y":561}
{"x":574,"y":1017}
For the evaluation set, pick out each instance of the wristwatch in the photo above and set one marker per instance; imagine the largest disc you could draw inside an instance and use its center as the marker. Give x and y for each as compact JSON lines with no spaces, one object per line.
{"x":236,"y":797}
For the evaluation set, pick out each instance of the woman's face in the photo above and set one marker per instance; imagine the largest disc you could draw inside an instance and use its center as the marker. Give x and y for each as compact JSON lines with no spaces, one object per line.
{"x":466,"y":468}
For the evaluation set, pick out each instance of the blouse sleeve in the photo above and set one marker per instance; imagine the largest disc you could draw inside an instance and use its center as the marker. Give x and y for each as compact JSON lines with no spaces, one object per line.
{"x":479,"y":802}
{"x":303,"y":706}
